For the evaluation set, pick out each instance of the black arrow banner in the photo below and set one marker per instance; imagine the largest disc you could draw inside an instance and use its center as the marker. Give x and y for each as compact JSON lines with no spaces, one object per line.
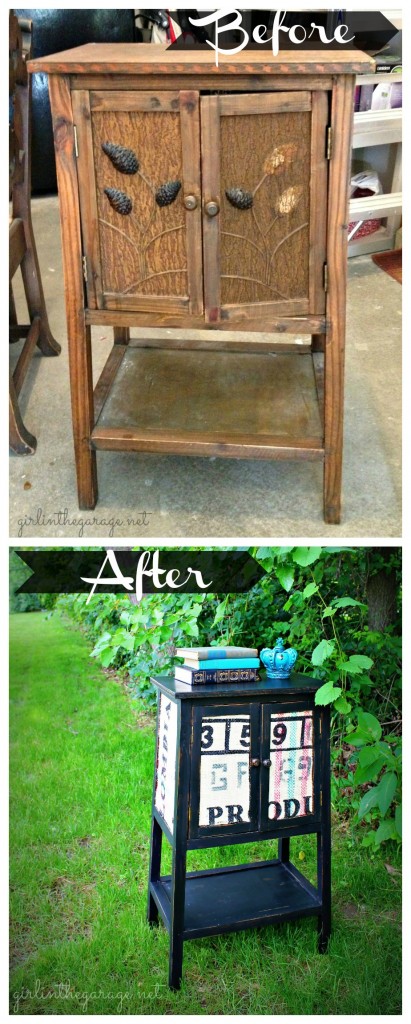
{"x":112,"y":571}
{"x":230,"y":29}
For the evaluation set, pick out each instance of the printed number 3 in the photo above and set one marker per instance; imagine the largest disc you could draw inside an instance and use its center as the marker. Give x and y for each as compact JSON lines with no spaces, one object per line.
{"x":206,"y":736}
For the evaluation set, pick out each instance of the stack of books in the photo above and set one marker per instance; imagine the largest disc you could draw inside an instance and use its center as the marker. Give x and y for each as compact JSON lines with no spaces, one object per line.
{"x":217,"y":665}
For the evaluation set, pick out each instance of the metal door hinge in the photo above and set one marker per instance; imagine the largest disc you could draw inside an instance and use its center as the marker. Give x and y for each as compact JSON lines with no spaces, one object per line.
{"x":329,"y":143}
{"x":325,"y":277}
{"x":75,"y":140}
{"x":85,"y":275}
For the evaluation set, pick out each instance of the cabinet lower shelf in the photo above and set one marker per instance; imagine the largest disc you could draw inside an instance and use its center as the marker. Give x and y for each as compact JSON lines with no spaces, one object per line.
{"x":235,"y":898}
{"x":244,"y":405}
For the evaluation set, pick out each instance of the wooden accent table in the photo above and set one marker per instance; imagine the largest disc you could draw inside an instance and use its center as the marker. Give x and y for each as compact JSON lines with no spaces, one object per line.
{"x":239,"y":763}
{"x":197,"y":196}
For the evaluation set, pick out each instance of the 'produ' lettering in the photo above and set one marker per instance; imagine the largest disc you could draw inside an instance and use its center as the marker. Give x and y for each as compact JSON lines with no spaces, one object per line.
{"x":291,"y":808}
{"x":234,"y":812}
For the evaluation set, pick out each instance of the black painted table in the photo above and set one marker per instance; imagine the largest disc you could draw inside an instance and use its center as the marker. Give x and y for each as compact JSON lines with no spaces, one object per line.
{"x":239,"y":763}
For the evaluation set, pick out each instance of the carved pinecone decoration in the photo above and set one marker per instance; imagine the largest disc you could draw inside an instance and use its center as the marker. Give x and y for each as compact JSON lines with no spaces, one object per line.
{"x":240,"y":198}
{"x":167,"y":193}
{"x":123,"y":159}
{"x":119,"y":201}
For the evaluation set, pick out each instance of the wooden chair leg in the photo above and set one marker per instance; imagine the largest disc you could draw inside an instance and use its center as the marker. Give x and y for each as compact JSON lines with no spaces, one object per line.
{"x":21,"y":441}
{"x":30,"y":268}
{"x":22,"y":248}
{"x":33,"y":288}
{"x":12,"y":307}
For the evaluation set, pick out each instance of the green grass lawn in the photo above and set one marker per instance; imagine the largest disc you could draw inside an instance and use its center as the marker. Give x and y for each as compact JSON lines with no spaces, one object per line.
{"x":81,"y":785}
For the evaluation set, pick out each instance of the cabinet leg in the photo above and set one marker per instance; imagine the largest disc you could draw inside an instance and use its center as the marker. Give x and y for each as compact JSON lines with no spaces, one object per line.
{"x":339,"y":169}
{"x":155,"y":867}
{"x":324,"y":932}
{"x":82,"y":404}
{"x":176,"y":963}
{"x":333,"y":427}
{"x":86,"y":467}
{"x":324,"y":841}
{"x":284,"y":849}
{"x":332,"y":488}
{"x":177,"y":916}
{"x":79,"y":337}
{"x":121,"y":335}
{"x":152,"y":911}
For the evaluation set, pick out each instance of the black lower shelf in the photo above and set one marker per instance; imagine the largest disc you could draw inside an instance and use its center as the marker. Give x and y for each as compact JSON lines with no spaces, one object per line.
{"x":233,"y":898}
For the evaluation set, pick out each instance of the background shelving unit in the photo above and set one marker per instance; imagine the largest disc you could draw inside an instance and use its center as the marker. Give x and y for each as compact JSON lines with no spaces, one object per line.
{"x":377,"y":143}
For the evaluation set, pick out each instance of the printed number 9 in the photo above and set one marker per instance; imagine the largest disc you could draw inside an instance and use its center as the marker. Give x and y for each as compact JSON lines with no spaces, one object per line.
{"x":279,"y":733}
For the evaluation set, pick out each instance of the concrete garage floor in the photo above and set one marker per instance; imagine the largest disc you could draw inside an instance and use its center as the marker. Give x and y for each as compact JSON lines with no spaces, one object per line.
{"x":171,"y":496}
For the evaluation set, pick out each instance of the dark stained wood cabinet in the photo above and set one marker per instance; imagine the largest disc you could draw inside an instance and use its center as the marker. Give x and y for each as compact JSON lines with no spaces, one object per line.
{"x":197,"y":196}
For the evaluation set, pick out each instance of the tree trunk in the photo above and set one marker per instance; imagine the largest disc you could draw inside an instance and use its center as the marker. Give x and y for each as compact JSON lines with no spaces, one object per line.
{"x":381,"y":596}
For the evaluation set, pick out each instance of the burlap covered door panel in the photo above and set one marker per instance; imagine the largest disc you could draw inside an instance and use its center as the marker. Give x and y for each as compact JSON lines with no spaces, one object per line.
{"x":138,"y":160}
{"x":256,"y":767}
{"x":264,"y":162}
{"x":290,"y":783}
{"x":224,"y":792}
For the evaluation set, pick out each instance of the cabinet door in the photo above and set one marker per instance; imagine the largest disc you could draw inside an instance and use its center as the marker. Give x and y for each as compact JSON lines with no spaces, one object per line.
{"x":264,"y":175}
{"x":224,"y":785}
{"x":139,"y":182}
{"x":290,"y":771}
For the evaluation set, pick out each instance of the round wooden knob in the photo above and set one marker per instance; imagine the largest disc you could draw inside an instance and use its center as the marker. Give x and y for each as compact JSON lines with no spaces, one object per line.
{"x":255,"y":762}
{"x":190,"y":202}
{"x":267,"y":762}
{"x":212,"y":208}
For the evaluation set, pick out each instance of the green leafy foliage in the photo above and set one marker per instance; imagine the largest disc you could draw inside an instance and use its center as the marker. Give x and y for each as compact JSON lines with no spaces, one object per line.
{"x":327,"y":694}
{"x":321,"y":652}
{"x":138,"y":639}
{"x":316,"y":598}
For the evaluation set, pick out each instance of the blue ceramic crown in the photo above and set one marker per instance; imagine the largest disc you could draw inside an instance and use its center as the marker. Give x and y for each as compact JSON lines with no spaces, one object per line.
{"x":277,"y":661}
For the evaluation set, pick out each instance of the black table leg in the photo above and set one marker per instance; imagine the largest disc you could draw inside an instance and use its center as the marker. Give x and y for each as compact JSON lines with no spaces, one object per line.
{"x":177,"y":914}
{"x":155,"y":864}
{"x":284,"y":849}
{"x":324,"y":840}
